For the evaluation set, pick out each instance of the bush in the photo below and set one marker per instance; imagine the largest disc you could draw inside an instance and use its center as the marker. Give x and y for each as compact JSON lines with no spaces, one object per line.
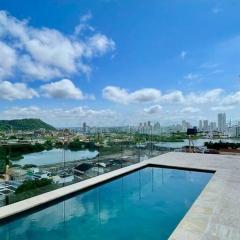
{"x":221,"y":145}
{"x":30,"y":185}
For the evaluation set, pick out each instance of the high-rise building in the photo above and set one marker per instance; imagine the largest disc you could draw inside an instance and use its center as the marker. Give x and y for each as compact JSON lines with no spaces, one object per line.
{"x":200,"y":125}
{"x":149,"y":124}
{"x":185,"y":125}
{"x":213,"y":126}
{"x":157,"y":126}
{"x":140,"y":128}
{"x":222,"y":122}
{"x":235,"y":131}
{"x":84,"y":127}
{"x":205,"y":125}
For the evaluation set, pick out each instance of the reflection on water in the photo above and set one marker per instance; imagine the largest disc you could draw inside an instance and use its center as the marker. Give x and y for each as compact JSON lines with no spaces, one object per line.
{"x":147,"y":204}
{"x":55,"y":156}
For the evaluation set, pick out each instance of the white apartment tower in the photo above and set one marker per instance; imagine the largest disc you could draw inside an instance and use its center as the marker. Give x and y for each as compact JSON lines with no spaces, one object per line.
{"x":200,"y":125}
{"x":222,"y":122}
{"x":205,"y":125}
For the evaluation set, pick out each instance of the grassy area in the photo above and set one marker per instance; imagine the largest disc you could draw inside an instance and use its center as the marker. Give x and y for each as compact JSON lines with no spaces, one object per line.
{"x":26,"y":192}
{"x":30,"y":185}
{"x":178,"y":137}
{"x":221,"y":145}
{"x":3,"y":159}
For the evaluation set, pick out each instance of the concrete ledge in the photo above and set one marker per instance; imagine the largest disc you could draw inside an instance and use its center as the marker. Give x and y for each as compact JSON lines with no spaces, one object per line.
{"x":214,"y":215}
{"x":27,"y":204}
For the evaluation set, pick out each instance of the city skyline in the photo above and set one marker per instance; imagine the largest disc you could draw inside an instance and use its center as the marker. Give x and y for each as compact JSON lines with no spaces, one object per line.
{"x":68,"y":63}
{"x":219,"y":128}
{"x":221,"y":123}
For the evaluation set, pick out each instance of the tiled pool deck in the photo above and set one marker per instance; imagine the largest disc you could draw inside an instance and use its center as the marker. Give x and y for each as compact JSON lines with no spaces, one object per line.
{"x":214,"y":215}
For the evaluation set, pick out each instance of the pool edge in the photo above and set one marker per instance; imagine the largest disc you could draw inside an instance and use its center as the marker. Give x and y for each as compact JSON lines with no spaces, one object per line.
{"x":207,"y":218}
{"x":12,"y":210}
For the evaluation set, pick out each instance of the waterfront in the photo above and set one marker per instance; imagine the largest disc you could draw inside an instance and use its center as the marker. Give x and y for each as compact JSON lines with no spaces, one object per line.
{"x":197,"y":143}
{"x":55,"y":156}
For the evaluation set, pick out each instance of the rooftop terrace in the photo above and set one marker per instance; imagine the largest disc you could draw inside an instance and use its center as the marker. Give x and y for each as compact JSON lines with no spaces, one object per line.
{"x":214,"y":215}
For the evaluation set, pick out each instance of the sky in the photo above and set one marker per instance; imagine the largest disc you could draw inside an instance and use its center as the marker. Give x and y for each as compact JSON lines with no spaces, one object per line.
{"x":119,"y":62}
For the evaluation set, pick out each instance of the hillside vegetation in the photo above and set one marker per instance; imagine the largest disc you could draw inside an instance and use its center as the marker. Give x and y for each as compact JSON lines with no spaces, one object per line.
{"x":24,"y":124}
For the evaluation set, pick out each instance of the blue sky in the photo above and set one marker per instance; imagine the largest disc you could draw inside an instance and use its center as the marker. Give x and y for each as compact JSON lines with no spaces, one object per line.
{"x":112,"y":62}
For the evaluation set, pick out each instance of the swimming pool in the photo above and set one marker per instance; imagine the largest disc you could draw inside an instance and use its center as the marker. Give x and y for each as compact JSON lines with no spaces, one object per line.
{"x":145,"y":204}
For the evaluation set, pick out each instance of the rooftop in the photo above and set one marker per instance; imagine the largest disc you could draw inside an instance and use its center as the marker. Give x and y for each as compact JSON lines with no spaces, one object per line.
{"x":214,"y":215}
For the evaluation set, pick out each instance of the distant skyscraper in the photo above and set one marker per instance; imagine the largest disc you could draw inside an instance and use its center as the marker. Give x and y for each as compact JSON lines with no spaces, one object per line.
{"x":221,"y":122}
{"x":156,"y":126}
{"x":140,"y":128}
{"x":185,"y":125}
{"x":200,"y":125}
{"x":235,"y":131}
{"x":84,"y":127}
{"x":205,"y":125}
{"x":213,"y":126}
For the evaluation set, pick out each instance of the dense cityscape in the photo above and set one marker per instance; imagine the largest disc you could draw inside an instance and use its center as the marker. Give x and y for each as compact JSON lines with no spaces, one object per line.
{"x":74,"y":154}
{"x":220,"y":127}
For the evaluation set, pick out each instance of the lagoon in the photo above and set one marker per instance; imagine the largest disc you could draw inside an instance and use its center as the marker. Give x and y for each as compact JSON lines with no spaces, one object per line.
{"x":197,"y":143}
{"x":55,"y":156}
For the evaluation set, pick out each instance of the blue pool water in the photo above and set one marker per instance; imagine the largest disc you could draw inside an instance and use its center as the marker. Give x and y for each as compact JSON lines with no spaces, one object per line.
{"x":146,"y":204}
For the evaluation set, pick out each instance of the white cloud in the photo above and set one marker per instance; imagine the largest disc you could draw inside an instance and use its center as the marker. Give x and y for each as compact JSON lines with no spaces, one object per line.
{"x":8,"y":60}
{"x":192,"y":76}
{"x":64,"y":117}
{"x":62,"y":89}
{"x":83,"y":25}
{"x":207,"y":97}
{"x":121,"y":95}
{"x":145,"y":95}
{"x":222,"y":108}
{"x":14,"y":91}
{"x":98,"y":45}
{"x":153,"y":109}
{"x":173,"y":97}
{"x":86,"y":17}
{"x":232,"y":99}
{"x":116,"y":94}
{"x":209,"y":100}
{"x":183,"y":55}
{"x":44,"y":53}
{"x":189,"y":110}
{"x":37,"y":70}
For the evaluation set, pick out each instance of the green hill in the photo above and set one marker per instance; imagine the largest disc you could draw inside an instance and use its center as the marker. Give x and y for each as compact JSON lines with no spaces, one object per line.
{"x":28,"y":124}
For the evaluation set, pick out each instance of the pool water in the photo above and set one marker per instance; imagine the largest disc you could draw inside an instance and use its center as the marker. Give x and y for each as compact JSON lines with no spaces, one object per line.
{"x":146,"y":204}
